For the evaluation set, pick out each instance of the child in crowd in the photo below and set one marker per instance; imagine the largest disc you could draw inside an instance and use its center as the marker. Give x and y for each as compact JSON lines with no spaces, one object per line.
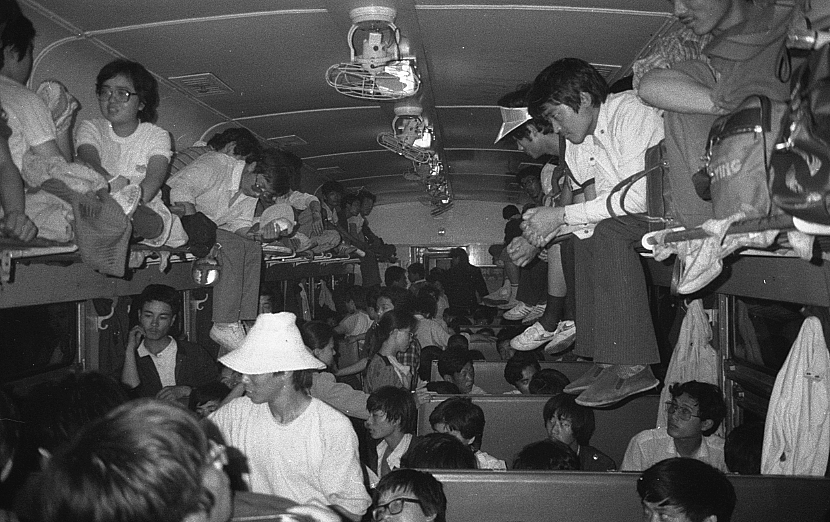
{"x":694,"y":414}
{"x":462,"y":419}
{"x":391,"y":337}
{"x":205,"y":399}
{"x":429,"y":331}
{"x":456,"y":366}
{"x":573,"y":425}
{"x":546,"y":455}
{"x":519,"y":370}
{"x":393,"y":418}
{"x":127,"y":149}
{"x":439,"y":451}
{"x":394,"y":496}
{"x":548,"y":381}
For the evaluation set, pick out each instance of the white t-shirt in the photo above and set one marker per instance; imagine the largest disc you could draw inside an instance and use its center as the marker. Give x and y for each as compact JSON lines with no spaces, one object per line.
{"x":313,"y":458}
{"x":651,"y":446}
{"x":28,"y":117}
{"x":129,"y":156}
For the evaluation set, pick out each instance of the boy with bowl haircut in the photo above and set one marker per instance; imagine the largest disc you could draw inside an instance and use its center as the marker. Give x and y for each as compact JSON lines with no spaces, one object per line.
{"x":393,"y":418}
{"x":455,"y":365}
{"x":459,"y":417}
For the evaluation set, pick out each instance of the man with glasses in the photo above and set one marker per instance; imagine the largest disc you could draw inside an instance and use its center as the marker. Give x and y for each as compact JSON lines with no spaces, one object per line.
{"x":694,"y":413}
{"x":408,"y":495}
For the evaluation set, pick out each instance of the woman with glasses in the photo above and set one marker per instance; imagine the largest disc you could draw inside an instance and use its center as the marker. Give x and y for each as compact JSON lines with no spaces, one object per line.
{"x":127,"y":149}
{"x":408,"y":495}
{"x":694,"y":414}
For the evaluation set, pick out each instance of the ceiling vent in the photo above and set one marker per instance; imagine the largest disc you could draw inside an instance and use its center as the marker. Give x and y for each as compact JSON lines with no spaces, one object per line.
{"x":288,"y":142}
{"x":202,"y":84}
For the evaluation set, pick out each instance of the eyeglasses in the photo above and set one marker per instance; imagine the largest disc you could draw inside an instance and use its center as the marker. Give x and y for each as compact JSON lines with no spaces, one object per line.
{"x":682,"y":412}
{"x":120,"y":95}
{"x":393,"y":508}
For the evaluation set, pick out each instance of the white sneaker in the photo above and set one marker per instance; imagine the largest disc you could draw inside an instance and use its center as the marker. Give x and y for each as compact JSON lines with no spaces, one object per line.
{"x":536,"y":312}
{"x":500,"y":296}
{"x":563,"y":337}
{"x":519,"y":311}
{"x":229,"y":336}
{"x":532,"y":338}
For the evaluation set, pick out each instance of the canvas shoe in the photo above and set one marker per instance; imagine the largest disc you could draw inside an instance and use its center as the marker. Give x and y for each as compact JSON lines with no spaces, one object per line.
{"x":536,"y":312}
{"x":519,"y":311}
{"x":500,"y":296}
{"x":532,"y":338}
{"x":228,"y":336}
{"x":563,"y":338}
{"x":586,"y":379}
{"x":512,"y":303}
{"x":617,"y":383}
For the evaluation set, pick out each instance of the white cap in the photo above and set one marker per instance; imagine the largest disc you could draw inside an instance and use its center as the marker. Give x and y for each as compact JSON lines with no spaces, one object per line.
{"x":512,"y":118}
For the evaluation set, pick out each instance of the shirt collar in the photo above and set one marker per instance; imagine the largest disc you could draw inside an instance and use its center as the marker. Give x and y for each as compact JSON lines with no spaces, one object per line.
{"x":143,"y":352}
{"x":236,"y":176}
{"x":394,"y":459}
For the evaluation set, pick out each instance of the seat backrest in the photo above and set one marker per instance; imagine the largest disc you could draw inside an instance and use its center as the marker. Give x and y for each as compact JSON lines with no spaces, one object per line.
{"x":513,"y":421}
{"x":579,"y":496}
{"x":490,"y":374}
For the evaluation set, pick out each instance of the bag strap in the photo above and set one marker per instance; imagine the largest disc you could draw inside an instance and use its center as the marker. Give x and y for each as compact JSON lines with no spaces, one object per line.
{"x":625,"y":185}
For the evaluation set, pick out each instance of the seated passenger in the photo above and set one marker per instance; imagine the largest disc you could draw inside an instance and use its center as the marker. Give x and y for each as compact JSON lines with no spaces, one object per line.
{"x":685,"y":490}
{"x":225,"y":188}
{"x":548,"y":381}
{"x":296,"y":446}
{"x":417,"y":277}
{"x":411,"y":496}
{"x":391,"y":337}
{"x":395,"y":276}
{"x":332,"y":194}
{"x":167,"y":471}
{"x":519,"y":370}
{"x":694,"y":414}
{"x":237,"y":142}
{"x":393,"y":419}
{"x":546,"y":455}
{"x":439,"y":451}
{"x":155,"y":363}
{"x":743,"y":448}
{"x":127,"y":149}
{"x":573,"y":425}
{"x":429,"y":332}
{"x":458,"y":342}
{"x":456,"y":366}
{"x":462,"y":419}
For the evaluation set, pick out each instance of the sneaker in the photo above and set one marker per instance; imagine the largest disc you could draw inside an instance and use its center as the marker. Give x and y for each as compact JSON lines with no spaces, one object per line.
{"x":128,"y":198}
{"x":536,"y":312}
{"x":586,"y":379}
{"x":617,"y":383}
{"x":519,"y":311}
{"x":228,"y":336}
{"x":500,"y":296}
{"x":531,"y":338}
{"x":563,"y":338}
{"x":511,"y":303}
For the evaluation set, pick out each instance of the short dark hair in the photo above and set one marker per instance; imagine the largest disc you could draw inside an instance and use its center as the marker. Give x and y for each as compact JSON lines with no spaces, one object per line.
{"x":696,"y":488}
{"x":356,"y":294}
{"x":416,"y":269}
{"x":460,"y":254}
{"x":439,"y":451}
{"x":710,"y":404}
{"x":364,"y":194}
{"x":332,"y":186}
{"x":564,"y":406}
{"x":212,"y":391}
{"x":18,"y":33}
{"x":509,"y":211}
{"x":452,"y":361}
{"x":743,"y":448}
{"x":397,"y":404}
{"x":143,"y":461}
{"x":392,"y":320}
{"x":402,"y":299}
{"x":161,"y":293}
{"x":277,"y":168}
{"x":514,"y":366}
{"x":518,"y":99}
{"x":316,"y":334}
{"x":462,"y":415}
{"x":426,"y":305}
{"x":458,"y":342}
{"x":547,"y":381}
{"x":428,"y":491}
{"x":562,"y":83}
{"x":394,"y":274}
{"x":245,"y":143}
{"x":547,"y":455}
{"x":144,"y":83}
{"x":349,"y":199}
{"x":529,"y":171}
{"x":302,"y":380}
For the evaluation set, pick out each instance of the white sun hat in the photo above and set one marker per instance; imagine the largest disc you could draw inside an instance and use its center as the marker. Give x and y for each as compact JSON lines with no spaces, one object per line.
{"x":274,"y":344}
{"x":512,"y":118}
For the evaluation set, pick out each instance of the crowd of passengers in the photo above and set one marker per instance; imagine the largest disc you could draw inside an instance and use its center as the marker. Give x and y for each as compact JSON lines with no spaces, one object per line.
{"x":275,"y":393}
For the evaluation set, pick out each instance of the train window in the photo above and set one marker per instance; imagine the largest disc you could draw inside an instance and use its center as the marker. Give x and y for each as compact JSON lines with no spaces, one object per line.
{"x":35,"y":339}
{"x":765,"y":331}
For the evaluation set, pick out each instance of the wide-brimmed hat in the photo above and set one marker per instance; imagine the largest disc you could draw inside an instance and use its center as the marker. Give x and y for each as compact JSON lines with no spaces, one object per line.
{"x":512,"y":118}
{"x":274,"y":344}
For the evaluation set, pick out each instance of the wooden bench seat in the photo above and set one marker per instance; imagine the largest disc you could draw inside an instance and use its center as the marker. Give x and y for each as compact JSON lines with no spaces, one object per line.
{"x":513,"y":421}
{"x":577,"y":496}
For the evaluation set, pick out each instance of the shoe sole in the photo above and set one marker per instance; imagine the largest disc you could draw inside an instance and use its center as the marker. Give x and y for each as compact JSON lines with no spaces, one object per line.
{"x":573,"y":390}
{"x":557,"y":346}
{"x":610,"y":402}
